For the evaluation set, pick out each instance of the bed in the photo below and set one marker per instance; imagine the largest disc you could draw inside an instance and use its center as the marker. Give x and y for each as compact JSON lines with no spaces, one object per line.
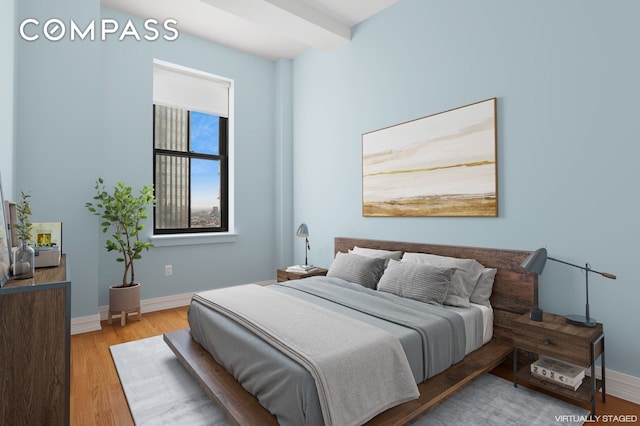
{"x":514,"y":292}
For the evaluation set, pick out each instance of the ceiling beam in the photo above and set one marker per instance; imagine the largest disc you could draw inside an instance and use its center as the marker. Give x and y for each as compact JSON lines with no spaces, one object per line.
{"x":293,"y":19}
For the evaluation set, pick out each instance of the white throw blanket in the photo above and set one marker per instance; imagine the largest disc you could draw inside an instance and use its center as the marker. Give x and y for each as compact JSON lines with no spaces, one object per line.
{"x":359,"y":370}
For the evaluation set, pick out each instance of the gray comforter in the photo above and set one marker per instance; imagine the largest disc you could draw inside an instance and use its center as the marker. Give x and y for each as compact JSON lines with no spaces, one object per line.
{"x":336,"y":350}
{"x":432,"y":338}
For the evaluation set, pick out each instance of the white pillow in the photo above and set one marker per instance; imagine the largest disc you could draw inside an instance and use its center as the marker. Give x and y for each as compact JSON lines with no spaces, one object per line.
{"x":424,"y":283}
{"x":385,"y":254}
{"x":482,"y":292}
{"x":464,"y":278}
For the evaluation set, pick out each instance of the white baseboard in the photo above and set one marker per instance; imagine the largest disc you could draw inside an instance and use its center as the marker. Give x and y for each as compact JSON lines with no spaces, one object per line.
{"x":92,"y":322}
{"x":621,"y":385}
{"x":85,"y":324}
{"x":155,"y":304}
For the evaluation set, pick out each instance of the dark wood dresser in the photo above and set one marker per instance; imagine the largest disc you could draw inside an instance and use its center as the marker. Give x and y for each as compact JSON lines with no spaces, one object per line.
{"x":35,"y":323}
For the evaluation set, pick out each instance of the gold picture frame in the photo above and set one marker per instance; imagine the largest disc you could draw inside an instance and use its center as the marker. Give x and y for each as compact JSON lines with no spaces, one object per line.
{"x":444,"y":164}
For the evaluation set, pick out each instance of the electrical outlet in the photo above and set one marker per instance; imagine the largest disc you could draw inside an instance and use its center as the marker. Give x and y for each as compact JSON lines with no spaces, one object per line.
{"x":168,"y":270}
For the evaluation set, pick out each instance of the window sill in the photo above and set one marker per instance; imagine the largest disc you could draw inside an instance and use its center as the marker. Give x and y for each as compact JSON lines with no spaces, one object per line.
{"x":193,"y":239}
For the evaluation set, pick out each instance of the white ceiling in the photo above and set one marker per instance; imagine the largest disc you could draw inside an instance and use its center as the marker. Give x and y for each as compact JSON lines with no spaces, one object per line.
{"x":270,"y":29}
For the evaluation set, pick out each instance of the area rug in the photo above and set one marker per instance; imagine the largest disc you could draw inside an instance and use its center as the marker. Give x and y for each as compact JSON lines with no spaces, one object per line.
{"x":160,"y":391}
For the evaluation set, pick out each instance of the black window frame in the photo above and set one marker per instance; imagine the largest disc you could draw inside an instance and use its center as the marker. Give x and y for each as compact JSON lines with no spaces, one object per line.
{"x":222,"y":157}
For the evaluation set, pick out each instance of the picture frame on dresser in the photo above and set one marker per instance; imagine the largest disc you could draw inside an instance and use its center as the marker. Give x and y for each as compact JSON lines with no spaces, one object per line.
{"x":47,"y":234}
{"x":5,"y":243}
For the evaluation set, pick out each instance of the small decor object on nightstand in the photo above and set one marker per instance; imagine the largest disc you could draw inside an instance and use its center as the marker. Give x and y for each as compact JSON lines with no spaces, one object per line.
{"x":301,"y":269}
{"x":559,"y":372}
{"x":535,"y":263}
{"x":288,"y":274}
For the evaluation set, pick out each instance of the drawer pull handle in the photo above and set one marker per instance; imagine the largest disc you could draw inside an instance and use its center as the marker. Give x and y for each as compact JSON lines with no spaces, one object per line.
{"x":547,"y":342}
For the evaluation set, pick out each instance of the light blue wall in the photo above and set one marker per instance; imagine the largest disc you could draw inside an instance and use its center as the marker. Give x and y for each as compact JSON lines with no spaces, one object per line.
{"x":127,"y":127}
{"x":58,"y":137}
{"x":7,"y":90}
{"x":566,"y":78}
{"x":84,"y":110}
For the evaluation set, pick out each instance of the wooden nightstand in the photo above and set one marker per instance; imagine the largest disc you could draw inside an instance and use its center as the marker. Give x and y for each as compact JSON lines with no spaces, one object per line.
{"x":283,"y":275}
{"x":555,"y":338}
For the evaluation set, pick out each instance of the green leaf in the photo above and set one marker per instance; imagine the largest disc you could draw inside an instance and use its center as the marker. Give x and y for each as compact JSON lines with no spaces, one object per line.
{"x":121,"y":212}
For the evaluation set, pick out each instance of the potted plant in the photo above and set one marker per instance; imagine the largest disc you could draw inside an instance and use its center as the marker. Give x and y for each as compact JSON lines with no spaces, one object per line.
{"x":24,"y":257}
{"x":122,"y":212}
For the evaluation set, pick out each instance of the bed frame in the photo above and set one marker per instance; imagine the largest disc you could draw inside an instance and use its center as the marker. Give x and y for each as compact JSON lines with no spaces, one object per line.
{"x":515,"y":291}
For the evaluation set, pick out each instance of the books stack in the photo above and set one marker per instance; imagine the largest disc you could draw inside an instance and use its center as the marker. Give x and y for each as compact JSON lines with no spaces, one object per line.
{"x":558,"y":372}
{"x":301,"y":269}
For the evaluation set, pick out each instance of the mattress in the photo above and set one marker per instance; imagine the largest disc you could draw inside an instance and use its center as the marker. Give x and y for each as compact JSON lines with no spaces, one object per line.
{"x":286,"y":389}
{"x":476,"y":315}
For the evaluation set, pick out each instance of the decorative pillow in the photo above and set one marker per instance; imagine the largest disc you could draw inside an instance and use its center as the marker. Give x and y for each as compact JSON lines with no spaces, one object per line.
{"x":484,"y":287}
{"x":424,"y":283}
{"x":385,"y":254}
{"x":357,"y":269}
{"x":463,"y":281}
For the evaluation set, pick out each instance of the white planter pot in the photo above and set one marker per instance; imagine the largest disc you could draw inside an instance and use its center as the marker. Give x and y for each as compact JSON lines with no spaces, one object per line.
{"x":123,"y":300}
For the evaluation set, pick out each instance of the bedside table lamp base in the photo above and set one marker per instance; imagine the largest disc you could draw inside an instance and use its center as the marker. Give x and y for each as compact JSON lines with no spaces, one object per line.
{"x":581,"y":321}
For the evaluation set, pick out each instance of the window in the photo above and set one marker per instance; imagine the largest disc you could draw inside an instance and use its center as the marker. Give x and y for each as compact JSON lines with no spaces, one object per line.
{"x":190,"y":171}
{"x":190,"y":152}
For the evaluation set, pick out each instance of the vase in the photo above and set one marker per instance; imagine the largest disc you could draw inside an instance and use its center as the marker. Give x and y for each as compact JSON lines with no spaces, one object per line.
{"x":123,"y":300}
{"x":24,"y":262}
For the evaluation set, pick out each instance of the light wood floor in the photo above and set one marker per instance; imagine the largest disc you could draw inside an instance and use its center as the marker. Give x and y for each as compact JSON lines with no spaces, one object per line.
{"x":97,"y":397}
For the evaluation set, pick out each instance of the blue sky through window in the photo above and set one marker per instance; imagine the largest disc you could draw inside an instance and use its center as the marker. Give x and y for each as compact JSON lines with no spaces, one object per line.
{"x":204,"y":133}
{"x":205,"y":174}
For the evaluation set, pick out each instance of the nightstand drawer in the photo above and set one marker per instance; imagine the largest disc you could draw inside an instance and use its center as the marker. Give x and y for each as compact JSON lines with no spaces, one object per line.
{"x":555,"y":345}
{"x":555,"y":338}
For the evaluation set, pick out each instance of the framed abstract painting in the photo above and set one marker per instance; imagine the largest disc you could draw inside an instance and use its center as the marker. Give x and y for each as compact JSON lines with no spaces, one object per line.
{"x":440,"y":165}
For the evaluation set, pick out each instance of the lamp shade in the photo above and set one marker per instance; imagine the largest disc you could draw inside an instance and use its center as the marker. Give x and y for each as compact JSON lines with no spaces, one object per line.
{"x":303,"y":230}
{"x":535,"y":261}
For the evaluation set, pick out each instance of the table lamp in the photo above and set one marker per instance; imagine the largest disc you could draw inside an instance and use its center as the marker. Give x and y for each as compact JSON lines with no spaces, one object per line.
{"x":303,"y":231}
{"x":535,"y":263}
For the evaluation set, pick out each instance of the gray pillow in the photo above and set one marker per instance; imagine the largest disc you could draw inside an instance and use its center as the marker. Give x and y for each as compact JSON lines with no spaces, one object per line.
{"x":424,"y":283}
{"x":482,"y":292}
{"x":357,"y":269}
{"x":463,"y":281}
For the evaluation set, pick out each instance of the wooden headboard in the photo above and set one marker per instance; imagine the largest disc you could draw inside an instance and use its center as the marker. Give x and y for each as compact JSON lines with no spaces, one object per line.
{"x":515,"y":290}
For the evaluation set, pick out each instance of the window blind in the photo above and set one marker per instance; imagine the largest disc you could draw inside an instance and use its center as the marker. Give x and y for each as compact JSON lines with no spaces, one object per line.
{"x":180,"y":87}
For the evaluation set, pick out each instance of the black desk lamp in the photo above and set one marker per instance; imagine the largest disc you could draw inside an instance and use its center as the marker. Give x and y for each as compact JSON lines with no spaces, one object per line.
{"x":303,"y":231}
{"x":535,"y":263}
